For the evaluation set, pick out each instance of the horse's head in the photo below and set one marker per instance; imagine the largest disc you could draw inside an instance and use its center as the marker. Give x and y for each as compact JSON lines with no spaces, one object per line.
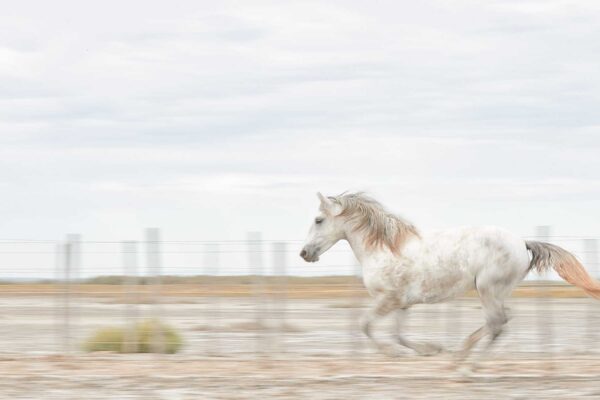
{"x":326,"y":229}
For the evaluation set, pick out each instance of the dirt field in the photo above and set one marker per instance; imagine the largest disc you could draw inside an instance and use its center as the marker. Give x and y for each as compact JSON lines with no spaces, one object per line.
{"x":151,"y":377}
{"x":272,"y":348}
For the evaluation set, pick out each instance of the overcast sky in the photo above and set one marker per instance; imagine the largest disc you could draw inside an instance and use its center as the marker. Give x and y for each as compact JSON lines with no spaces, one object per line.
{"x":210,"y":119}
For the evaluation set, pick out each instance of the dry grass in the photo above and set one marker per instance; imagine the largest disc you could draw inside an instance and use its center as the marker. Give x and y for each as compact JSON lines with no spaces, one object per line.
{"x":294,"y":288}
{"x":142,"y":337}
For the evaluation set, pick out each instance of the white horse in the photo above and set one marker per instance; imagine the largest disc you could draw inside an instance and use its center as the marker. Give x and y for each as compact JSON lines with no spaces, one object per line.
{"x":402,"y":267}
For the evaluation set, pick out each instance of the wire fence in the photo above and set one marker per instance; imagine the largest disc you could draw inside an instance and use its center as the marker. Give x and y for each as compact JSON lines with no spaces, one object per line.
{"x":252,"y":298}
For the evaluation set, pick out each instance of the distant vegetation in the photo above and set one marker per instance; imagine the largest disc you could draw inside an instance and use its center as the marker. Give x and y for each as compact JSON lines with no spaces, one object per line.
{"x":121,"y":290}
{"x":225,"y":280}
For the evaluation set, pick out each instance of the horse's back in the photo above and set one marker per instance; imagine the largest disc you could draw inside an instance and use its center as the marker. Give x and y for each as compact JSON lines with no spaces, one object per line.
{"x":453,"y":261}
{"x":475,"y":247}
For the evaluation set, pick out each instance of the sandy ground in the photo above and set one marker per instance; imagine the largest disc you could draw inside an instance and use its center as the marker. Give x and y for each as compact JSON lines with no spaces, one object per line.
{"x":275,"y":349}
{"x":151,"y":377}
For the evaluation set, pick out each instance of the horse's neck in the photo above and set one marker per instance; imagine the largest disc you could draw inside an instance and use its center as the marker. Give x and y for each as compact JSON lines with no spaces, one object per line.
{"x":368,"y":257}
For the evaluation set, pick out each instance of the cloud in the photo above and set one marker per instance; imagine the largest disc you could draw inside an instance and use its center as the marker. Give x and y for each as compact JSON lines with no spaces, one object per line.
{"x":261,"y":104}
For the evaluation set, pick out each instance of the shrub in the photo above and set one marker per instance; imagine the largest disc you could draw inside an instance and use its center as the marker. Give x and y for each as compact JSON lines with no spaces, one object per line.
{"x":143,"y":337}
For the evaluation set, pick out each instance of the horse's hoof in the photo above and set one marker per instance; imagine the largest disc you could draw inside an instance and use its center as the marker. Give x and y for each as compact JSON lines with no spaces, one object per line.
{"x":459,"y":356}
{"x":465,"y":373}
{"x":429,"y":349}
{"x":389,"y":350}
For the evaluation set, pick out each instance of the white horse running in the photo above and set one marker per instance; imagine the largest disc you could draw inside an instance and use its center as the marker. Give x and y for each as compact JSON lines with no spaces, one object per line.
{"x":402,"y":267}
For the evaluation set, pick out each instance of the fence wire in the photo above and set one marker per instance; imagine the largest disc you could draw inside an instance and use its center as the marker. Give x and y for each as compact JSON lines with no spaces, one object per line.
{"x":250,"y":298}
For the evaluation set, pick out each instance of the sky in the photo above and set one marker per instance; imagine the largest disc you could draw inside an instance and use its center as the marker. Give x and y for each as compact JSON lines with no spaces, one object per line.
{"x":213,"y":119}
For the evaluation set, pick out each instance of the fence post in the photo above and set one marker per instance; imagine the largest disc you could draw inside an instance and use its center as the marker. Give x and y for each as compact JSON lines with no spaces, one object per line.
{"x":211,"y":269}
{"x":154,"y":272}
{"x":590,"y":247}
{"x":545,"y":317}
{"x":255,"y":258}
{"x":453,"y":322}
{"x":356,"y":336}
{"x":63,"y":276}
{"x":67,"y":298}
{"x":280,"y":294}
{"x":74,"y":241}
{"x":58,"y":261}
{"x":131,"y":298}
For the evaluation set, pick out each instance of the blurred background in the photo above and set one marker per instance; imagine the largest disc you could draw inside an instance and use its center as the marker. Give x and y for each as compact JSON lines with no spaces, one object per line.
{"x":158,"y":170}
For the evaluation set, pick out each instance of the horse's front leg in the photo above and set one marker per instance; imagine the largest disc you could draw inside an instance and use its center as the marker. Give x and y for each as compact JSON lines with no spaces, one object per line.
{"x":423,"y":348}
{"x":384,"y":304}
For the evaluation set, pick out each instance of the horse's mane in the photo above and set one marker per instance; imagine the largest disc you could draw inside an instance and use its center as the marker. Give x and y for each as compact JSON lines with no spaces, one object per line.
{"x":381,"y":227}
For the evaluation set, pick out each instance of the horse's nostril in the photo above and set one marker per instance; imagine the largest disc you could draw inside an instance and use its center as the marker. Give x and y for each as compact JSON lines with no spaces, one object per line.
{"x":303,"y":253}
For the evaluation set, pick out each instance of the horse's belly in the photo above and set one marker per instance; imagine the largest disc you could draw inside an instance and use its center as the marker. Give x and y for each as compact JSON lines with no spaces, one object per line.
{"x":436,"y":288}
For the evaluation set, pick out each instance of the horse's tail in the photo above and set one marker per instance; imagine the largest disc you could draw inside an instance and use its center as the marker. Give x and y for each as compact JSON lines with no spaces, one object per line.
{"x":546,"y":255}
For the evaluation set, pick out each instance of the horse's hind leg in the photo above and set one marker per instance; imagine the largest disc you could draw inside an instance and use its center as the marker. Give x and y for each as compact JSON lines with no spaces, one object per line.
{"x":495,"y":316}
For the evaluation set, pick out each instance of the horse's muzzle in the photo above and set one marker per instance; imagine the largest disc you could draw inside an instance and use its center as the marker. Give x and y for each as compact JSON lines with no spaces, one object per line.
{"x":309,"y":256}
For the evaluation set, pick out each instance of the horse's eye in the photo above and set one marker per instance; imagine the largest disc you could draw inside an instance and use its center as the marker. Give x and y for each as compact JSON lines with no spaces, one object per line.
{"x":318,"y":220}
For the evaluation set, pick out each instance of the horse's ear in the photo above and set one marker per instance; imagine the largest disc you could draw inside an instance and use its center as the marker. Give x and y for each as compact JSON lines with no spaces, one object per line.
{"x":329,"y":205}
{"x":325,"y":202}
{"x":322,"y":198}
